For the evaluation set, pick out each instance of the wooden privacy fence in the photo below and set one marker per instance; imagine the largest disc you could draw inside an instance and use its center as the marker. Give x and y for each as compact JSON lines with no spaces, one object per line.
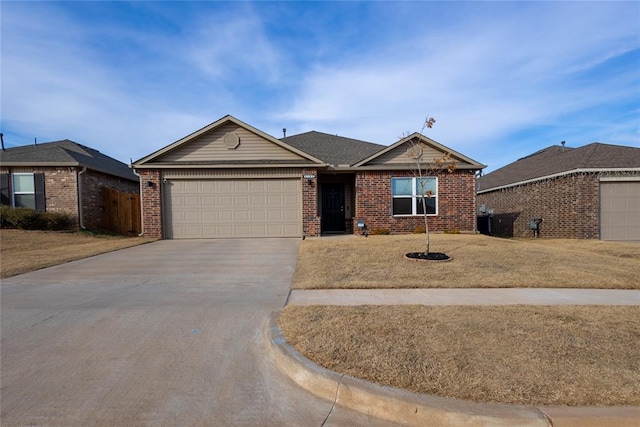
{"x":121,"y":212}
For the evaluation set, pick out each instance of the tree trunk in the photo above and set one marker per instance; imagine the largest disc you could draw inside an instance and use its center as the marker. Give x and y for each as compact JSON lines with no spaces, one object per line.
{"x":426,"y":223}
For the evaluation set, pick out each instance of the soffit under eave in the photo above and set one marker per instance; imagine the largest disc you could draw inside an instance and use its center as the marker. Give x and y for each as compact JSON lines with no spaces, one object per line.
{"x":41,"y":164}
{"x":219,"y":123}
{"x":105,"y":171}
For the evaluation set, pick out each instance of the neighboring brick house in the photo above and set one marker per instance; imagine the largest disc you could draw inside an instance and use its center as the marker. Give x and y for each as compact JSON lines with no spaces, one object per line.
{"x":62,"y":176}
{"x":591,"y":192}
{"x":230,"y":179}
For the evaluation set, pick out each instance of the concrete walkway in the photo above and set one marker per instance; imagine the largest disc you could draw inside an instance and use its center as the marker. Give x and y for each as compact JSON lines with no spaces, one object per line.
{"x":488,"y":296}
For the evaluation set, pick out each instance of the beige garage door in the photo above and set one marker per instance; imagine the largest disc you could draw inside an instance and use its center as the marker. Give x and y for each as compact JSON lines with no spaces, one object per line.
{"x":223,"y":208}
{"x":620,"y":211}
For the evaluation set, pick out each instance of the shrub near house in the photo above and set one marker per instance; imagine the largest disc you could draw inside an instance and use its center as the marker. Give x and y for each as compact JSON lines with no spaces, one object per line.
{"x":30,"y":219}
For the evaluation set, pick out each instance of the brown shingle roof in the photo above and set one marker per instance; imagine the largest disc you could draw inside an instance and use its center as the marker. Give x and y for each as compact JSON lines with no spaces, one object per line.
{"x":65,"y":153}
{"x":556,"y":160}
{"x":333,"y":149}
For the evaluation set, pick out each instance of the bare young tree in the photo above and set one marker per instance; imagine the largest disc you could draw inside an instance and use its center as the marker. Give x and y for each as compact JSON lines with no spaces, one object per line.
{"x":425,"y":169}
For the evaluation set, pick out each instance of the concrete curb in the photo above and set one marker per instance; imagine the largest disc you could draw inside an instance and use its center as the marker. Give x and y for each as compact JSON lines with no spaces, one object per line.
{"x":413,"y":409}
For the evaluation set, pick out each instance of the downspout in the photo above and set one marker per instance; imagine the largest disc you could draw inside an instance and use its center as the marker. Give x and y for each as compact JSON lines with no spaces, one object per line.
{"x":80,"y":210}
{"x":141,"y":206}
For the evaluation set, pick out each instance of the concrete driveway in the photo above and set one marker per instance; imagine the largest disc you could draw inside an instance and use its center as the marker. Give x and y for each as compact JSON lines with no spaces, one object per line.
{"x":168,"y":333}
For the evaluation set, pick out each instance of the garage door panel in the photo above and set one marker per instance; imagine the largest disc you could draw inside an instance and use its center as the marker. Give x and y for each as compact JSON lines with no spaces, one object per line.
{"x":290,"y":215}
{"x":225,"y":216}
{"x":208,"y":201}
{"x":209,"y":216}
{"x":290,"y":200}
{"x":275,"y":215}
{"x":233,"y":208}
{"x":191,"y":186}
{"x":258,"y":200}
{"x":192,"y":201}
{"x":242,"y":216}
{"x":620,"y":210}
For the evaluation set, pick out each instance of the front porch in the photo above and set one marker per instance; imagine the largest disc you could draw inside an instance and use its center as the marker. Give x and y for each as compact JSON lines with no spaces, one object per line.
{"x":334,"y":201}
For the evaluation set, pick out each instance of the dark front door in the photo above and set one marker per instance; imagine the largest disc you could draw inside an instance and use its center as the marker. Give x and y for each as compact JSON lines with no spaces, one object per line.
{"x":333,"y":208}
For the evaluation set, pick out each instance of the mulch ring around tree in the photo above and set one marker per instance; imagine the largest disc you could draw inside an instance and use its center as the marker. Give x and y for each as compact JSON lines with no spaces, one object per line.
{"x":430,"y":256}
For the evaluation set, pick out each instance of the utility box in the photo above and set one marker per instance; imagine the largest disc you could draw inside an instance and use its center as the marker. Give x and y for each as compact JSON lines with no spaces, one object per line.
{"x":534,"y":224}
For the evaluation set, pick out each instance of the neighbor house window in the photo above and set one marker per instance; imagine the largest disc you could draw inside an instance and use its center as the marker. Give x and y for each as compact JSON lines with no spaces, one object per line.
{"x":28,"y":190}
{"x":407,"y":195}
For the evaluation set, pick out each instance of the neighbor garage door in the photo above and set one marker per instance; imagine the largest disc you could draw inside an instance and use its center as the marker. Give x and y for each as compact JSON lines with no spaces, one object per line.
{"x":223,"y":208}
{"x":620,"y":211}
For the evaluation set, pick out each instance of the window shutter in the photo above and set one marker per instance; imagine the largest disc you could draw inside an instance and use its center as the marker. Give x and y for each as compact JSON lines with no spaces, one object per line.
{"x":38,"y":179}
{"x":5,"y":194}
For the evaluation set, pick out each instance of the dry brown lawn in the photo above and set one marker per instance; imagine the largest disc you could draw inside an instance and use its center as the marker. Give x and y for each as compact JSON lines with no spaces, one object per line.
{"x":542,"y":355}
{"x":22,"y":251}
{"x":478,"y":261}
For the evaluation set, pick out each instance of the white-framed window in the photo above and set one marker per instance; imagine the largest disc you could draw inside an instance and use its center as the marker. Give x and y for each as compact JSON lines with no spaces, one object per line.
{"x":24,"y":190}
{"x":407,"y":196}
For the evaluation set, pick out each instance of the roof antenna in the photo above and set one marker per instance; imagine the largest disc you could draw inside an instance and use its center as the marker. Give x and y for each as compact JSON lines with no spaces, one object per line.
{"x":2,"y":140}
{"x":284,"y":132}
{"x":35,"y":141}
{"x":563,"y":142}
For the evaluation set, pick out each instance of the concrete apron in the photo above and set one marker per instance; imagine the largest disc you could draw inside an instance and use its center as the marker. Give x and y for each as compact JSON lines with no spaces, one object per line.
{"x":168,"y":333}
{"x":412,"y":409}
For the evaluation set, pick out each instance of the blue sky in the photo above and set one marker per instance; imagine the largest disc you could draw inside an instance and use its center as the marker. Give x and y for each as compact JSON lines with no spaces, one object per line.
{"x":502,"y":79}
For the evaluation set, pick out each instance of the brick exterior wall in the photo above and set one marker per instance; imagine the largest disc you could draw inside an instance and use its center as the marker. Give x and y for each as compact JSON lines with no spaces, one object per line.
{"x":151,"y":203}
{"x":61,"y":191}
{"x":456,"y":203}
{"x":569,"y":206}
{"x":310,"y":216}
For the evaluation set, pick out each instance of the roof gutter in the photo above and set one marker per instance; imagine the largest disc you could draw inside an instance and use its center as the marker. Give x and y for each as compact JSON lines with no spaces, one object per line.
{"x":141,"y":206}
{"x":229,"y":166}
{"x":65,"y":164}
{"x":559,"y":174}
{"x":80,"y":210}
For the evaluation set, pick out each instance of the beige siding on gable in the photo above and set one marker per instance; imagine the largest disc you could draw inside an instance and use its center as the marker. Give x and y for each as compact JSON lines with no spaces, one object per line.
{"x":210,"y":146}
{"x":399,"y":156}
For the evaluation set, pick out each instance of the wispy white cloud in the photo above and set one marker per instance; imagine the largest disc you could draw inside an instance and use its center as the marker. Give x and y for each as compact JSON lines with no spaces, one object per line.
{"x":501,"y":78}
{"x":485,"y":79}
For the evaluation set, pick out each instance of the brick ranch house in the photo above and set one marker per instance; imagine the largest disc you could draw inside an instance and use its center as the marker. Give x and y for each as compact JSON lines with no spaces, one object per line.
{"x":62,"y":176}
{"x":591,"y":192}
{"x":230,"y":179}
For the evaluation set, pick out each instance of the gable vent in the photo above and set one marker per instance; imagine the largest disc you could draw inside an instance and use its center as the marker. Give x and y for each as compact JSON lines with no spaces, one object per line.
{"x":231,"y":140}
